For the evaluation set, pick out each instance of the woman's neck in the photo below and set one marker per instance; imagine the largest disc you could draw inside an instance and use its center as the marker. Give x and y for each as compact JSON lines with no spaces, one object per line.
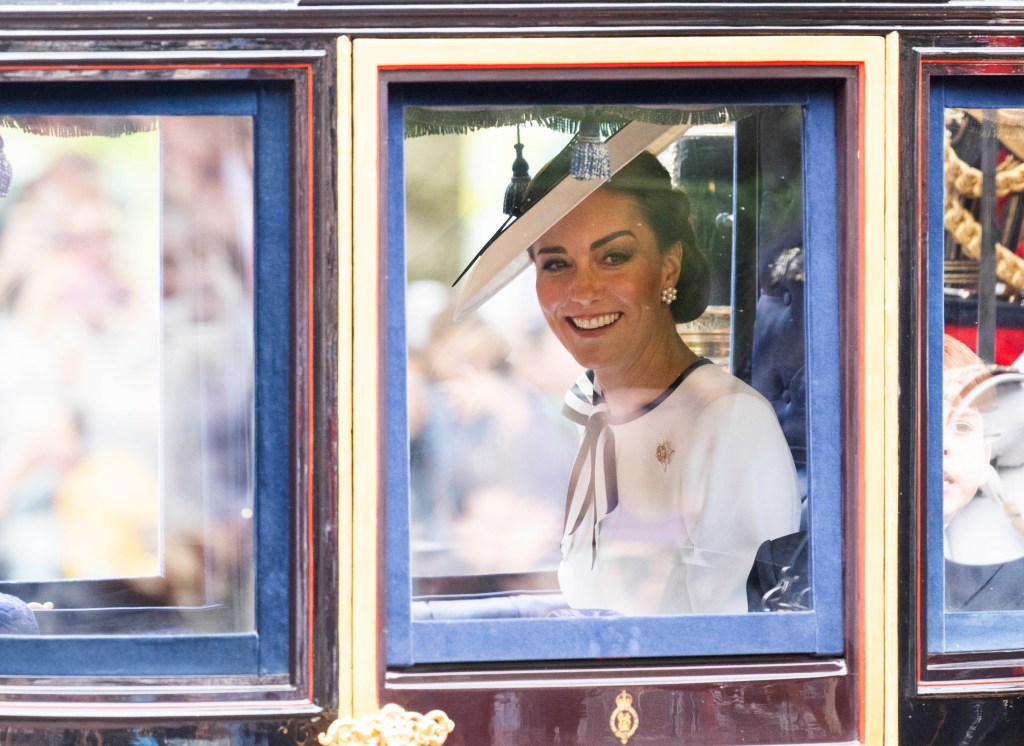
{"x":627,"y":388}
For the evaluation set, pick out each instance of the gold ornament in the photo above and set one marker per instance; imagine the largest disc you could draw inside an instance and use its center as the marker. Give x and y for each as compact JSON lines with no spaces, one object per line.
{"x":664,"y":454}
{"x":624,"y":720}
{"x":392,"y":726}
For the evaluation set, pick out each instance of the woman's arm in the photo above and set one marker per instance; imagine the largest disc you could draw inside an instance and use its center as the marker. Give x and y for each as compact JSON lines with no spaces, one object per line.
{"x":740,"y":491}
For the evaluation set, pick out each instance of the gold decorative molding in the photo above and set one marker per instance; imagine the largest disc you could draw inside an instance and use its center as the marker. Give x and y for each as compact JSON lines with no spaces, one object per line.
{"x":392,"y":726}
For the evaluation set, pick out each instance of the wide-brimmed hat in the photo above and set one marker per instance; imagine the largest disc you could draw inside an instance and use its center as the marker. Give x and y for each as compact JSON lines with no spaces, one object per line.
{"x":504,"y":256}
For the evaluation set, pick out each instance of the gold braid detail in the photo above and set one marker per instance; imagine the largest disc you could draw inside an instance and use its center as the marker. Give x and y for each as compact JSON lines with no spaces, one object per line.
{"x":392,"y":726}
{"x":1014,"y":514}
{"x":966,"y":231}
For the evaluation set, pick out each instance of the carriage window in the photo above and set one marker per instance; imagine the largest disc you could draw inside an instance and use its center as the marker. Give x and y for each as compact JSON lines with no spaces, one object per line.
{"x":975,"y":524}
{"x":141,"y":460}
{"x":126,"y":265}
{"x":616,"y":383}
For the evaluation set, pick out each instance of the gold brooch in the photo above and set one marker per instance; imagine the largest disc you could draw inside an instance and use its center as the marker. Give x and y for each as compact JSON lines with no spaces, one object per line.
{"x":624,"y":721}
{"x":664,"y":454}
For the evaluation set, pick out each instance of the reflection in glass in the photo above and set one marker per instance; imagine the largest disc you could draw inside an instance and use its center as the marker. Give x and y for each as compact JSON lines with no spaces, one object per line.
{"x":126,"y":484}
{"x":491,"y":458}
{"x":983,"y":405}
{"x":983,"y":445}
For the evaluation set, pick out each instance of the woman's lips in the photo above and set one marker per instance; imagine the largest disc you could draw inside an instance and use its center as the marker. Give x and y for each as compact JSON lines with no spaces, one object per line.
{"x":589,"y":323}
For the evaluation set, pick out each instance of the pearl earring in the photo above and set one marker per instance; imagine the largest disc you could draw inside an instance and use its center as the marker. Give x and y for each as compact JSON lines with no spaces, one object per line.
{"x":668,"y":295}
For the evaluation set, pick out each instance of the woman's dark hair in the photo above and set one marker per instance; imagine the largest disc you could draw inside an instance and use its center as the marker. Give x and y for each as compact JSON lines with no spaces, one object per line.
{"x":666,"y":210}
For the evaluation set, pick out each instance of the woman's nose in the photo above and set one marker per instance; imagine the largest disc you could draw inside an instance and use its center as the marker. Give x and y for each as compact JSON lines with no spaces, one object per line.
{"x":587,"y":284}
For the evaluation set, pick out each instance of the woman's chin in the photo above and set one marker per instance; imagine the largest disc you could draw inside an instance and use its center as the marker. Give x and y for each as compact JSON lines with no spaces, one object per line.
{"x":592,"y":352}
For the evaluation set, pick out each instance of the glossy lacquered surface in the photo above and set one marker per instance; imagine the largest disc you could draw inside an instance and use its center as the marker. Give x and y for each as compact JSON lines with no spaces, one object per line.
{"x":812,"y":710}
{"x":524,"y":18}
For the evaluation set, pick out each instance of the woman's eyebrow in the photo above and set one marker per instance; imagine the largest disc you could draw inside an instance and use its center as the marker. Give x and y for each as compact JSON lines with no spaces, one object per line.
{"x":593,"y":247}
{"x":611,"y":237}
{"x":548,"y":250}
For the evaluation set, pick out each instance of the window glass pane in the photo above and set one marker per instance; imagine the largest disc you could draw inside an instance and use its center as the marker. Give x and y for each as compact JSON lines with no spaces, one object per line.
{"x":494,"y":383}
{"x":491,"y":384}
{"x":500,"y":407}
{"x":126,"y":323}
{"x":982,"y":492}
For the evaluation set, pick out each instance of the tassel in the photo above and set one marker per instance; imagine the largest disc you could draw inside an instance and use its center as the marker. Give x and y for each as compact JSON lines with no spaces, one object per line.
{"x":590,"y":154}
{"x":1013,"y":513}
{"x":6,"y":173}
{"x":516,"y":189}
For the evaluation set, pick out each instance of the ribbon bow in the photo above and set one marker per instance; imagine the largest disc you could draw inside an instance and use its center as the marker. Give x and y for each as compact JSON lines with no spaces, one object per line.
{"x":597,"y":452}
{"x":597,"y":435}
{"x":585,"y":405}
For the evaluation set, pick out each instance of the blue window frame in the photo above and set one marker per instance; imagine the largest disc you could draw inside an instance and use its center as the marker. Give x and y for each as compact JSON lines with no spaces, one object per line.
{"x":411,"y":640}
{"x":266,"y":647}
{"x":950,"y":627}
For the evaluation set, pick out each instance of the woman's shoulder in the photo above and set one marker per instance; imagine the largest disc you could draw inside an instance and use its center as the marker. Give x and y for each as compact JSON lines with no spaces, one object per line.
{"x":711,"y":387}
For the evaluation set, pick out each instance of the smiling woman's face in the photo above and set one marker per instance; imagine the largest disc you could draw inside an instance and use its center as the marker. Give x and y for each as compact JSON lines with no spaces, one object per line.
{"x":599,"y":281}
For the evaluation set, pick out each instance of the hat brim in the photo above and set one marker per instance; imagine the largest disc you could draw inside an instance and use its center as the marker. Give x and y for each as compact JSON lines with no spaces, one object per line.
{"x":505,"y":256}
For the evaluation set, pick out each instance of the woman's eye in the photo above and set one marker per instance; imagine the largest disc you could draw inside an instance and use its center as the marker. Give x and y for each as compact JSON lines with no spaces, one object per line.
{"x":616,"y":257}
{"x":553,"y":265}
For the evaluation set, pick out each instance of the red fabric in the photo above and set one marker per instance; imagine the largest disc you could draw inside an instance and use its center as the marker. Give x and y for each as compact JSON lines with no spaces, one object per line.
{"x":1009,"y":341}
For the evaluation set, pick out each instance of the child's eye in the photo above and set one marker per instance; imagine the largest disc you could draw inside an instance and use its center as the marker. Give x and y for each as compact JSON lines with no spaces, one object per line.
{"x":962,"y":427}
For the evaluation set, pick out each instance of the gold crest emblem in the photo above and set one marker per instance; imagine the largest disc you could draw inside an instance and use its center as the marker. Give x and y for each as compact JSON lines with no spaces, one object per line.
{"x":624,"y":720}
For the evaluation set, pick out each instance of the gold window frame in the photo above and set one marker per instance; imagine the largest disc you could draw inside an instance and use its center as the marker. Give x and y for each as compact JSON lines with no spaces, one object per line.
{"x":360,"y":489}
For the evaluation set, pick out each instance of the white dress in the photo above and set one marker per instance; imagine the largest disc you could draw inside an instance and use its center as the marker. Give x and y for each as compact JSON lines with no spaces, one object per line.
{"x":700,"y":478}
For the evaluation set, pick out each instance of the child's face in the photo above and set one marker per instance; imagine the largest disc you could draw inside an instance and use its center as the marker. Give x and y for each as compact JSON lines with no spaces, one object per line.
{"x":965,"y":457}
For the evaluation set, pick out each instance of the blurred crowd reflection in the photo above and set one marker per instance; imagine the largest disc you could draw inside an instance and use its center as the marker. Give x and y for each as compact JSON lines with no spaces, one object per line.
{"x":490,"y":453}
{"x":80,"y":389}
{"x":126,"y":446}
